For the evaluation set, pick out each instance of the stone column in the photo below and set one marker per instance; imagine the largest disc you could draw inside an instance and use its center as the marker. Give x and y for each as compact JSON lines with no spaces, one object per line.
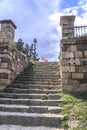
{"x":67,"y":24}
{"x":7,"y":31}
{"x":73,"y":57}
{"x":67,"y":52}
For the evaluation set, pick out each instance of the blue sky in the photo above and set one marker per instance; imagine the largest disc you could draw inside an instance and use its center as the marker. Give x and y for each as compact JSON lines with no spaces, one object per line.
{"x":41,"y":19}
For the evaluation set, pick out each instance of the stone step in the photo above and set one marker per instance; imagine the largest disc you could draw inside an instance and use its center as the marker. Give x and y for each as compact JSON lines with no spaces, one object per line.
{"x":34,"y":86}
{"x":30,"y":96}
{"x":35,"y":91}
{"x":49,"y":64}
{"x":33,"y":98}
{"x":39,"y":74}
{"x":46,"y":67}
{"x":56,"y":68}
{"x":30,"y":109}
{"x":30,"y":102}
{"x":38,"y":78}
{"x":36,"y":82}
{"x":31,"y":119}
{"x":38,"y":69}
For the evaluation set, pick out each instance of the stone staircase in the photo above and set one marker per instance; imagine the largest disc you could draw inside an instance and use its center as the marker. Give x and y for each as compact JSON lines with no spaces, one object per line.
{"x":33,"y":98}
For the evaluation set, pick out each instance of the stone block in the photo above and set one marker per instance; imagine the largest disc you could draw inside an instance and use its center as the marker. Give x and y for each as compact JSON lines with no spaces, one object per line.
{"x":68,"y":69}
{"x":71,"y":61}
{"x":67,"y":88}
{"x":66,"y":75}
{"x":1,"y":40}
{"x":81,"y":68}
{"x":13,"y":67}
{"x":67,"y":55}
{"x":10,"y":76}
{"x":5,"y":56}
{"x":64,"y":62}
{"x":85,"y":76}
{"x":4,"y":65}
{"x":5,"y":71}
{"x":74,"y":82}
{"x":77,"y":75}
{"x":68,"y":41}
{"x":5,"y":81}
{"x":83,"y":61}
{"x":3,"y":75}
{"x":72,"y":48}
{"x":64,"y":81}
{"x":78,"y":54}
{"x":83,"y":86}
{"x":10,"y":54}
{"x":74,"y":88}
{"x":5,"y":51}
{"x":2,"y":87}
{"x":77,"y":61}
{"x":85,"y":54}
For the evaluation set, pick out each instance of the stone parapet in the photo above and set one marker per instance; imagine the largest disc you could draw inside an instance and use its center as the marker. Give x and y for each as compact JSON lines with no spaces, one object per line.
{"x":12,"y":61}
{"x":73,"y":60}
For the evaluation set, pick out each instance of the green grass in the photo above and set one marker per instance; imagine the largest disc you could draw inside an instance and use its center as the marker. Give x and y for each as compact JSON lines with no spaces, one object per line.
{"x":75,"y":110}
{"x":58,"y":73}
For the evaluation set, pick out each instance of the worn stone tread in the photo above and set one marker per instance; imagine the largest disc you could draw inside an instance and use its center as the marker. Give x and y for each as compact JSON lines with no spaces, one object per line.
{"x":30,"y":96}
{"x":26,"y":119}
{"x":33,"y":98}
{"x":29,"y":109}
{"x":42,"y":91}
{"x":20,"y":127}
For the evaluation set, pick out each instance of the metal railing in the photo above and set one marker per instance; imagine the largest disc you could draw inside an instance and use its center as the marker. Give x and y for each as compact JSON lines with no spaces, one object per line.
{"x":80,"y":31}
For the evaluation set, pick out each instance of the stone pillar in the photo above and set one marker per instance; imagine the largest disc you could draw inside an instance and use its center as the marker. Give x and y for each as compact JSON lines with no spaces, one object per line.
{"x":7,"y":31}
{"x":67,"y":24}
{"x":73,"y":57}
{"x":67,"y":57}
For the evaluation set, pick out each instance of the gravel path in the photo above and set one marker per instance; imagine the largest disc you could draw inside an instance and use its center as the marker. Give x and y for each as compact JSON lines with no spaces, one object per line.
{"x":17,"y":127}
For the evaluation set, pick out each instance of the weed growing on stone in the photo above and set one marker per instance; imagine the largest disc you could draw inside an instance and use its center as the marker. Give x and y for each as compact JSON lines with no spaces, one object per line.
{"x":58,"y":73}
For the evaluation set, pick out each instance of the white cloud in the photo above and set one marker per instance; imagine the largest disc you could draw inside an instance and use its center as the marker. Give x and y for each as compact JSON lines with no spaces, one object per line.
{"x":71,"y":10}
{"x":41,"y":19}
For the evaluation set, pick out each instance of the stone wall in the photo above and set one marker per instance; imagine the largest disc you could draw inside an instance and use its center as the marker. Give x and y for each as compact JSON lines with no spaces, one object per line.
{"x":73,"y":57}
{"x":12,"y":61}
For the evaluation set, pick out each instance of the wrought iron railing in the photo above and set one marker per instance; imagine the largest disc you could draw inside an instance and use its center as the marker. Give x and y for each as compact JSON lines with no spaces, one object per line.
{"x":80,"y":31}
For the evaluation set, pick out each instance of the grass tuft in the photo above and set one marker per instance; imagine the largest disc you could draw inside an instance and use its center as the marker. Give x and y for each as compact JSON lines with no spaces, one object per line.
{"x":75,"y":109}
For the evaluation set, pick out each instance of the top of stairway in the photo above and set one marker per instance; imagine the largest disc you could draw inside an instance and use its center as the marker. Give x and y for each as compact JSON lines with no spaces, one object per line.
{"x":47,"y":64}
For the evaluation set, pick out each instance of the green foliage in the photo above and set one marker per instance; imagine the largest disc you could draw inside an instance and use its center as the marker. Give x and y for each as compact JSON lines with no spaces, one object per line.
{"x":58,"y":63}
{"x":75,"y":109}
{"x":29,"y":50}
{"x":20,"y":45}
{"x":64,"y":124}
{"x":58,"y":73}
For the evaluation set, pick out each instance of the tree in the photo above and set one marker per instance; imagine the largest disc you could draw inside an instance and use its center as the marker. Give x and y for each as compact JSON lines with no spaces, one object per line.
{"x":26,"y":49}
{"x":35,"y":55}
{"x":35,"y":40}
{"x":29,"y":50}
{"x":20,"y":45}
